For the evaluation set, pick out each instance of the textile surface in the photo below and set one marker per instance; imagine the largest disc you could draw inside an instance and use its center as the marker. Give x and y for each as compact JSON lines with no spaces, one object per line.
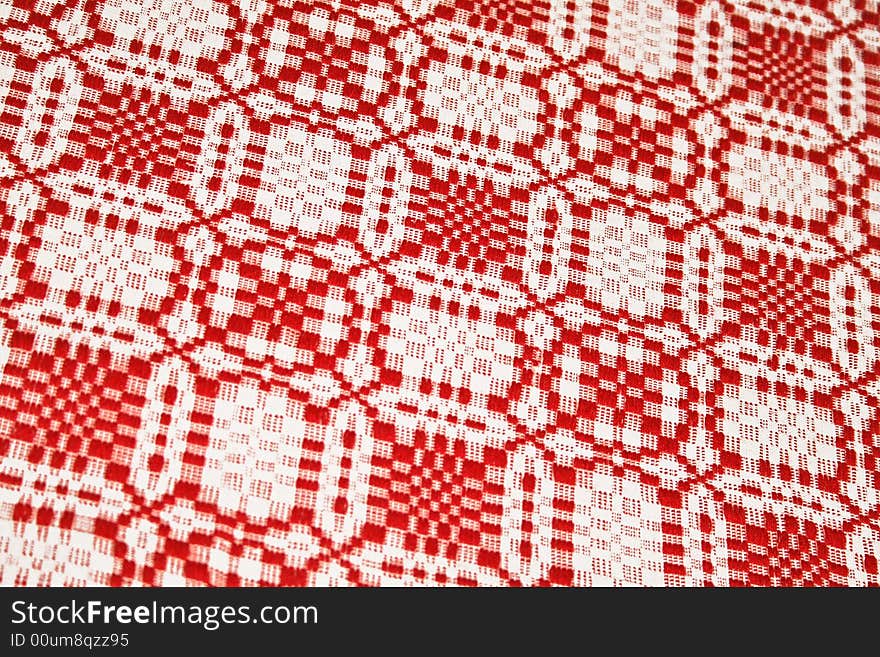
{"x":471,"y":292}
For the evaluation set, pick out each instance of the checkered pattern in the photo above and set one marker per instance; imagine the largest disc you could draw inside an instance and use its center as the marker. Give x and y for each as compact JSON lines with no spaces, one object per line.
{"x":457,"y":292}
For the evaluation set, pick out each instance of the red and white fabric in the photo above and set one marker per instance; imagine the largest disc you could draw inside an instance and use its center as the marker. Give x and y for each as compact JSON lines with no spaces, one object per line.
{"x":439,"y":293}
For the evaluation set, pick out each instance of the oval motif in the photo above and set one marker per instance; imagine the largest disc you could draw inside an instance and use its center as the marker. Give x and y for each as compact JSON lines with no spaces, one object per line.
{"x":358,"y":365}
{"x":344,"y":482}
{"x":221,"y":161}
{"x":697,"y":444}
{"x":549,"y":243}
{"x":701,"y":515}
{"x":397,"y":110}
{"x":538,"y":359}
{"x":199,"y":249}
{"x":50,"y":113}
{"x":703,"y":282}
{"x":386,"y":198}
{"x":846,"y":74}
{"x":555,"y":154}
{"x":713,"y":51}
{"x":705,"y":191}
{"x":526,"y":532}
{"x":852,"y":334}
{"x":158,"y":454}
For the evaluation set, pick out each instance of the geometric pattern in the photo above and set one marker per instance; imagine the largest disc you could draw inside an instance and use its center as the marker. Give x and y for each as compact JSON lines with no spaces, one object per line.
{"x":420,"y":292}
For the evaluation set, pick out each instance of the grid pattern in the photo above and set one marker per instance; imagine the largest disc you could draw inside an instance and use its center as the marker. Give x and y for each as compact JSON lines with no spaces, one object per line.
{"x":439,"y":292}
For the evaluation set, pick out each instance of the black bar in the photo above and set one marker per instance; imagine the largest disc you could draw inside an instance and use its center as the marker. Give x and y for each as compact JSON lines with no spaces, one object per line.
{"x":405,"y":621}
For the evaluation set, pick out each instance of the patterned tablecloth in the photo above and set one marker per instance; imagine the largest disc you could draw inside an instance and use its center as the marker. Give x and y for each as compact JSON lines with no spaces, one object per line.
{"x":492,"y":293}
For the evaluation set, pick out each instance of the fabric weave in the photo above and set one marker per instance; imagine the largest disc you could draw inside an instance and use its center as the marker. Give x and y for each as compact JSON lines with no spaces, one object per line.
{"x":461,"y":292}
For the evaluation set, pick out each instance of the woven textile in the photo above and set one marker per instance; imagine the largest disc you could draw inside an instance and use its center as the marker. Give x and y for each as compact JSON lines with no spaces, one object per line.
{"x":488,"y":293}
